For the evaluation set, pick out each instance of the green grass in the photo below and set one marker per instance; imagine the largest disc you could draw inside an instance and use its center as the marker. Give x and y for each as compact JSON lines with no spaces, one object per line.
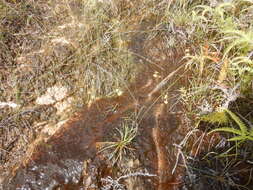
{"x":118,"y":150}
{"x":220,"y":60}
{"x":224,"y":46}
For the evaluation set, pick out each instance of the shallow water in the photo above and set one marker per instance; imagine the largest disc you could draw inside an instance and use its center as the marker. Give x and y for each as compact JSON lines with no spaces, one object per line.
{"x":70,"y":158}
{"x":58,"y":161}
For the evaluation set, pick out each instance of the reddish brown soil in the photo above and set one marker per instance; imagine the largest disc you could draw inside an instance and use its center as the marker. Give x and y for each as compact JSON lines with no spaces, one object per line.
{"x":57,"y":162}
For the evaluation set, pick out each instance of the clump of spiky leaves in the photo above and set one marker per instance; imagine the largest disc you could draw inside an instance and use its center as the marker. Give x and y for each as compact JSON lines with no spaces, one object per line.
{"x":242,"y":40}
{"x":242,"y":132}
{"x":242,"y":69}
{"x":118,"y":149}
{"x":213,"y":15}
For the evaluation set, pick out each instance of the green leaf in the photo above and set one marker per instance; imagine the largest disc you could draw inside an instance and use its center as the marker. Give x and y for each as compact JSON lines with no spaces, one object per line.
{"x":250,"y":137}
{"x":251,"y":132}
{"x":228,"y":129}
{"x":238,"y":121}
{"x":232,"y":45}
{"x":238,"y":138}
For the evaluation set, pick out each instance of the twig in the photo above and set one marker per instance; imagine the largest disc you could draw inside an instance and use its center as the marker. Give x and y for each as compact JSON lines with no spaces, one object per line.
{"x":115,"y":183}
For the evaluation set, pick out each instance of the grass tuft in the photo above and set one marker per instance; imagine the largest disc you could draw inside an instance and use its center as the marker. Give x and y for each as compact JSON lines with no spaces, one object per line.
{"x":118,"y":150}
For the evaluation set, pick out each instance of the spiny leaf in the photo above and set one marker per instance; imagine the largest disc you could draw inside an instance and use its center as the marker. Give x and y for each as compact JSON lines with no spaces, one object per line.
{"x":228,"y":129}
{"x":251,"y":132}
{"x":250,"y":137}
{"x":238,"y":138}
{"x":238,"y":121}
{"x":239,"y":37}
{"x":232,"y":45}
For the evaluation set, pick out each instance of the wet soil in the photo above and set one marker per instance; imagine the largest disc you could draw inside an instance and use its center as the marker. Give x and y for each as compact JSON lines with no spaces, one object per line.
{"x":57,"y":162}
{"x":70,"y":158}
